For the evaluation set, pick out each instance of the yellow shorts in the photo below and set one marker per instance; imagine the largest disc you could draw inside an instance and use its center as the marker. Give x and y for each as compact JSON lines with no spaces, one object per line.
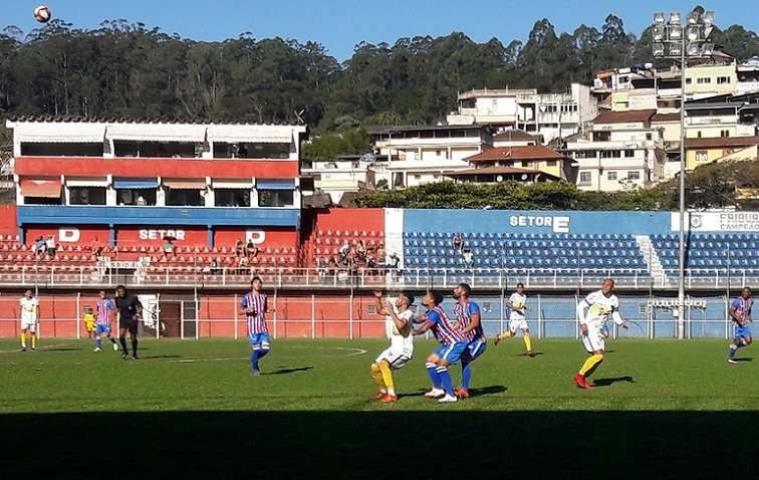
{"x":89,"y":326}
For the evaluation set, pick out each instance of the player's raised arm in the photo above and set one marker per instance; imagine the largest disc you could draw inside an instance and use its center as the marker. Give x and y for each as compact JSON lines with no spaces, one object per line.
{"x":378,"y":296}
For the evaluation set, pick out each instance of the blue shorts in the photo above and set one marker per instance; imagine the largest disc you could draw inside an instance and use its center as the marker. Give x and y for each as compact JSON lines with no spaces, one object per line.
{"x":101,"y":329}
{"x":475,"y":349}
{"x":259,"y":340}
{"x":451,"y":353}
{"x":742,"y":331}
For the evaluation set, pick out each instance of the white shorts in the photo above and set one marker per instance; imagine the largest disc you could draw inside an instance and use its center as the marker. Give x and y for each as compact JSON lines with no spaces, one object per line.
{"x":30,"y":325}
{"x":396,"y":358}
{"x":594,"y":341}
{"x":517,"y":322}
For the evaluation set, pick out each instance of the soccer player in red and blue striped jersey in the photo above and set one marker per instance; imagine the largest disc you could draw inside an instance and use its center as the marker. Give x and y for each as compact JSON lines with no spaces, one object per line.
{"x":469,"y":321}
{"x":453,"y":343}
{"x":255,"y":306}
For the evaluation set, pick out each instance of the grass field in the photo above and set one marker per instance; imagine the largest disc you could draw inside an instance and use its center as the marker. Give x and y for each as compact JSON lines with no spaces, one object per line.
{"x":193,"y":408}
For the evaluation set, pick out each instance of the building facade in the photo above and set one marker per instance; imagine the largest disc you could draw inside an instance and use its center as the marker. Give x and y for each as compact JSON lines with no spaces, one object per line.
{"x":127,"y":184}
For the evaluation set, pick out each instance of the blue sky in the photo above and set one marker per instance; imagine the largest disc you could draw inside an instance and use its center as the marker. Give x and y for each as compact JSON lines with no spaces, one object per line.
{"x":340,"y":24}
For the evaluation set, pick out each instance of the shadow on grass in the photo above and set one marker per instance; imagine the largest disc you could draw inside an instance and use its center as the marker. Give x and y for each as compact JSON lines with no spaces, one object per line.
{"x":58,"y":349}
{"x":607,"y":382}
{"x":287,"y":371}
{"x":350,"y":445}
{"x":744,"y":360}
{"x":158,"y":357}
{"x":474,"y":392}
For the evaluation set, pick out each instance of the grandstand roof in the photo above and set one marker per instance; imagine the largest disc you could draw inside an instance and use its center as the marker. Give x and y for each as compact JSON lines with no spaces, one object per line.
{"x":721,"y":142}
{"x":630,"y":116}
{"x":532,"y":152}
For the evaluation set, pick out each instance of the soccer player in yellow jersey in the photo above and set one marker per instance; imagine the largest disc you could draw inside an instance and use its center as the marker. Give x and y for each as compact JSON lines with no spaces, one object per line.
{"x":30,"y":312}
{"x":399,"y":325}
{"x":89,"y":322}
{"x":593,"y":313}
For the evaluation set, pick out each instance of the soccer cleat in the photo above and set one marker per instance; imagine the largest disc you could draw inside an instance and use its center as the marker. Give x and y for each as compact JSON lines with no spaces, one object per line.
{"x":115,"y":347}
{"x":732,"y":361}
{"x":448,"y":399}
{"x":97,"y":349}
{"x":389,"y":398}
{"x":497,"y":340}
{"x":34,"y":348}
{"x":255,"y":372}
{"x":531,"y":354}
{"x":23,"y":349}
{"x":435,"y":393}
{"x":380,"y":395}
{"x":124,"y":356}
{"x":581,"y":382}
{"x":462,"y":393}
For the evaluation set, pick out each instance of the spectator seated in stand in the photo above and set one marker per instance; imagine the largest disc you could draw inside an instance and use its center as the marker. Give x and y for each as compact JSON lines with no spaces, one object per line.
{"x":50,"y":247}
{"x":468,"y":257}
{"x":168,"y":247}
{"x":240,"y":248}
{"x":39,"y":247}
{"x":458,"y":242}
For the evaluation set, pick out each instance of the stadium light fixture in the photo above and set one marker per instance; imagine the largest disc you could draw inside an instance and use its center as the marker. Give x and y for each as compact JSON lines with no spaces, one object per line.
{"x":680,"y":42}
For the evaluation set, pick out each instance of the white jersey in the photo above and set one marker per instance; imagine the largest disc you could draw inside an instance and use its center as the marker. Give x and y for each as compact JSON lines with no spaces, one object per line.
{"x":517,"y":303}
{"x":29,"y":309}
{"x":600,"y":309}
{"x":400,"y":340}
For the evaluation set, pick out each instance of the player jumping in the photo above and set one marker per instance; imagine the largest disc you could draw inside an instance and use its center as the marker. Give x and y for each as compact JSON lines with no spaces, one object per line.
{"x":128,"y":312}
{"x":105,"y":310}
{"x":600,"y":306}
{"x":740,"y":312}
{"x":470,"y":322}
{"x":398,"y":325}
{"x":255,"y":306}
{"x":453,"y":344}
{"x":30,"y":312}
{"x":518,"y":319}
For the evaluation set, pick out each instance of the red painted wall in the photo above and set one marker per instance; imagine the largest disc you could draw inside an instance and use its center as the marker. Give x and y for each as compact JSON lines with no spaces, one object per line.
{"x":8,"y":220}
{"x":350,"y":219}
{"x":87,"y":236}
{"x":156,"y":167}
{"x":227,"y":237}
{"x":153,"y":235}
{"x":218,"y":315}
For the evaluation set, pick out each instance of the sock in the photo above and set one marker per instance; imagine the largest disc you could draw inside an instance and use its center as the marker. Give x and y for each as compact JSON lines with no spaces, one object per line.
{"x":134,"y":347}
{"x":254,"y":356}
{"x":387,"y":377}
{"x":733,"y":351}
{"x":445,"y":380}
{"x":377,"y":377}
{"x":262,"y":353}
{"x":591,"y":362}
{"x":34,"y":341}
{"x":23,"y":340}
{"x":97,"y":342}
{"x":122,"y":341}
{"x":527,"y":342}
{"x":432,"y":371}
{"x":466,"y":375}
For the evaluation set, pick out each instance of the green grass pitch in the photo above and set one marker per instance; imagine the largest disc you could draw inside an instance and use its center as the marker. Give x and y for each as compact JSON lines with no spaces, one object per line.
{"x":185,"y":405}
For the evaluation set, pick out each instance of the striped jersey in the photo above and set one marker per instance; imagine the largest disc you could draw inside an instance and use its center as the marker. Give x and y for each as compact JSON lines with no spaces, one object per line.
{"x":105,"y":308}
{"x":464,"y":316}
{"x":444,"y":330}
{"x":257,"y":303}
{"x":743,"y":307}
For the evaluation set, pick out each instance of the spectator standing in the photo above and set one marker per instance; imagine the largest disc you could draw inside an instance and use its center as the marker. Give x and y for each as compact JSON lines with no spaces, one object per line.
{"x":50,"y":246}
{"x":168,"y":247}
{"x":468,"y":257}
{"x":458,"y":243}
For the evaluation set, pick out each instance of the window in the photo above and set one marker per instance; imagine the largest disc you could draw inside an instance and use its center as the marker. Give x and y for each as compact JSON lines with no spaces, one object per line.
{"x":184,"y":198}
{"x":585,"y":178}
{"x":611,"y":153}
{"x":551,"y":163}
{"x":633,"y":175}
{"x":649,"y":136}
{"x":277,"y":151}
{"x":232,"y":197}
{"x":123,"y":148}
{"x":702,"y":156}
{"x":688,"y":81}
{"x":62,"y":149}
{"x":136,"y":197}
{"x":629,"y":153}
{"x":704,"y":81}
{"x":611,"y":176}
{"x":276,"y":198}
{"x":586,"y":154}
{"x":601,"y":136}
{"x":42,"y":201}
{"x":87,"y":195}
{"x":724,"y":133}
{"x":525,"y":164}
{"x":723,"y":80}
{"x":698,"y":134}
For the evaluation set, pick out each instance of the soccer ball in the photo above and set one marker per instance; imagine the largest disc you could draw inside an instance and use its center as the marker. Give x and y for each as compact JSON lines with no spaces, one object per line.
{"x":42,"y":14}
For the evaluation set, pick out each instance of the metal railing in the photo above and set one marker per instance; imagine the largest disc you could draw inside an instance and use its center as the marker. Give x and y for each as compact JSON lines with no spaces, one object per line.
{"x":484,"y":278}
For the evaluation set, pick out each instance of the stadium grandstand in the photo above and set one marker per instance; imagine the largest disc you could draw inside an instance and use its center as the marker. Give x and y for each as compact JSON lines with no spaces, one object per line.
{"x":187,"y":213}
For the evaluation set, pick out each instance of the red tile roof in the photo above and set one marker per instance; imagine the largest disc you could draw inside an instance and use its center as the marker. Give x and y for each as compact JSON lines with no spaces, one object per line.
{"x":515,"y":136}
{"x":721,"y":142}
{"x":630,"y":116}
{"x":497,"y":171}
{"x":533,"y":152}
{"x":666,"y":117}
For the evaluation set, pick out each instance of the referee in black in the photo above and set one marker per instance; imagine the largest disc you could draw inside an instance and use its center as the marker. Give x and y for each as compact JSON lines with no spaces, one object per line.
{"x":129,"y":311}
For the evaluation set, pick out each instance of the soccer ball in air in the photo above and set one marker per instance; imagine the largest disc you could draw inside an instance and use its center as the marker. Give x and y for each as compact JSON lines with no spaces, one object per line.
{"x":42,"y":14}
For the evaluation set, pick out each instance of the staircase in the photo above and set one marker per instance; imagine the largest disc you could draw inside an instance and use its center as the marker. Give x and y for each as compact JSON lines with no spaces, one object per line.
{"x":651,"y":257}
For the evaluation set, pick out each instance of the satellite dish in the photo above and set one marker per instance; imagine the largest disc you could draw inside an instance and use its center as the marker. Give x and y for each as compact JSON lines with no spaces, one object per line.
{"x":525,"y":176}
